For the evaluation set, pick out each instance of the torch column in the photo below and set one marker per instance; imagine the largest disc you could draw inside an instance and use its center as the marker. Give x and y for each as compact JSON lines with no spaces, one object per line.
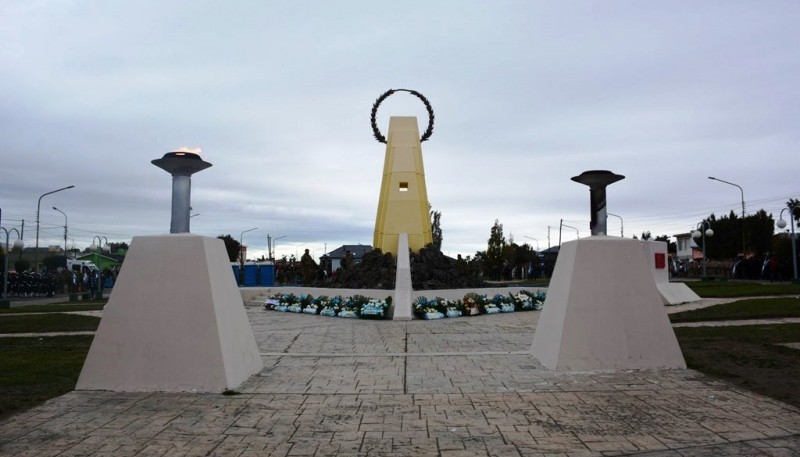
{"x":598,"y":180}
{"x":181,"y":165}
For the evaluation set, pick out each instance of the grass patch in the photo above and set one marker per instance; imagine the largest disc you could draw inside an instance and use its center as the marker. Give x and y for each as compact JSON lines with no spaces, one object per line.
{"x":755,"y":308}
{"x":33,"y":370}
{"x":57,"y":308}
{"x":51,"y":322}
{"x":728,"y":289}
{"x":747,"y":356}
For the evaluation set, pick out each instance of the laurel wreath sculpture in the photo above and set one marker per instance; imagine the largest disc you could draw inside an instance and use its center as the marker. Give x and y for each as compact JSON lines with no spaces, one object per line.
{"x":377,"y":133}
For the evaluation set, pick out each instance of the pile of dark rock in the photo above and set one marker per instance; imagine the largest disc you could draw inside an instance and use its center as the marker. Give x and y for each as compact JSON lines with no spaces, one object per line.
{"x":430,"y":269}
{"x":375,"y":271}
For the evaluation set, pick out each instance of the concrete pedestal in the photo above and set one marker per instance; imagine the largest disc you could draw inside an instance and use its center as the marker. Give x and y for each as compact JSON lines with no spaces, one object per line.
{"x":175,"y":321}
{"x":672,"y":293}
{"x":402,"y":309}
{"x":603,"y":311}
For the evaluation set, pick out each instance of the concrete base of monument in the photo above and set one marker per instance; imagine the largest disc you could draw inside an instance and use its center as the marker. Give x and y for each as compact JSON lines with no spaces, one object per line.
{"x":175,"y":322}
{"x":672,"y":293}
{"x":401,"y":305}
{"x":676,"y":293}
{"x":603,"y":311}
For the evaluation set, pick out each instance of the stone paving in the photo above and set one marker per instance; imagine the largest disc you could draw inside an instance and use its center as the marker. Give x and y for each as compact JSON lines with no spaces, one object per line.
{"x":455,"y":387}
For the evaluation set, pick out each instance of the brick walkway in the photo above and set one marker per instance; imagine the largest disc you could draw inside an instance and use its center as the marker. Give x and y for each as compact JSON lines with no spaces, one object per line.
{"x":458,"y":387}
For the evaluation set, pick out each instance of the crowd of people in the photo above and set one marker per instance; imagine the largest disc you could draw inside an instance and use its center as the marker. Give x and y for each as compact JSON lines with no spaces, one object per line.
{"x":47,"y":284}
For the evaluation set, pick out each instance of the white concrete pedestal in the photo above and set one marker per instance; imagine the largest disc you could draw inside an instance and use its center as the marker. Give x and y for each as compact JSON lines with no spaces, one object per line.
{"x":402,"y":285}
{"x":175,"y":322}
{"x":603,"y":311}
{"x":672,"y":293}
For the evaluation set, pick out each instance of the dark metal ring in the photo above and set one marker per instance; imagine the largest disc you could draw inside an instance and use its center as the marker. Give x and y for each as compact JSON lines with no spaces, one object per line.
{"x":377,"y":133}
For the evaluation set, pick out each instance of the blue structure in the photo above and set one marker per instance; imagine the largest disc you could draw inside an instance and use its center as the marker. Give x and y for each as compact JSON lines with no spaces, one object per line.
{"x":250,"y":273}
{"x":266,"y":275}
{"x":255,"y":275}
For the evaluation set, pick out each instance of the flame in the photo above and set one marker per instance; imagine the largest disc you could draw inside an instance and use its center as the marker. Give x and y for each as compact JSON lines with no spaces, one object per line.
{"x":189,"y":150}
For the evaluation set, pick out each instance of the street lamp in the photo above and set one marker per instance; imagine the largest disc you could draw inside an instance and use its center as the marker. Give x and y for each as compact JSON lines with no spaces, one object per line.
{"x":621,"y":232}
{"x":4,"y":303}
{"x":568,"y":226}
{"x":273,"y":244}
{"x":38,"y":206}
{"x":100,"y":247}
{"x":65,"y":234}
{"x":781,"y":224}
{"x":241,"y":255}
{"x":242,"y":234}
{"x":744,"y":254}
{"x":704,"y":233}
{"x":296,"y":252}
{"x":534,"y":239}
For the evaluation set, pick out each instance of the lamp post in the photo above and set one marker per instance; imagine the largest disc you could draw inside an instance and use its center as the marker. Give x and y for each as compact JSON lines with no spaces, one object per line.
{"x":65,"y":234}
{"x":704,"y":233}
{"x":242,"y":234}
{"x":100,"y":247}
{"x":781,"y":224}
{"x":621,"y":227}
{"x":242,"y":255}
{"x":5,"y":303}
{"x":568,"y":226}
{"x":744,"y":254}
{"x":296,"y":252}
{"x":38,"y":207}
{"x":273,"y":244}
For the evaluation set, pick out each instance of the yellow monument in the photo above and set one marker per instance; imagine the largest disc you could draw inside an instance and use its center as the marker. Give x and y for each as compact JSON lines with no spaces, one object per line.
{"x":403,"y":204}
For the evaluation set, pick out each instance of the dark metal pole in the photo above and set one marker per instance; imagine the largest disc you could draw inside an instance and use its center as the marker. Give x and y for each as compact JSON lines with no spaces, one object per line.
{"x":597,"y":180}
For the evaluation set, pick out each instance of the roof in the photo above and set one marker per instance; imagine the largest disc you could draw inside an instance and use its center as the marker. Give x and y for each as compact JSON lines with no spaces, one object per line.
{"x":112,"y":257}
{"x":358,"y":251}
{"x":551,"y":250}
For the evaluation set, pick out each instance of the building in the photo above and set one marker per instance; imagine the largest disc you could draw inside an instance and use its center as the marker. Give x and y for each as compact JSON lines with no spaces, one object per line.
{"x":688,"y":250}
{"x":335,"y":257}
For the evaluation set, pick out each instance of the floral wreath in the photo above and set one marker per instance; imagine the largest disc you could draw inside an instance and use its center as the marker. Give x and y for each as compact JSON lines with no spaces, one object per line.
{"x":377,"y":133}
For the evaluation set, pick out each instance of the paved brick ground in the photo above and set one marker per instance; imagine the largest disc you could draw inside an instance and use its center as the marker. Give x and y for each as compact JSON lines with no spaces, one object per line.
{"x":460,"y":387}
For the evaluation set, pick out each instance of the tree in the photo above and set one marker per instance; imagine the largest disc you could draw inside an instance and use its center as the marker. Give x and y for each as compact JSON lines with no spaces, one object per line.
{"x":494,"y":251}
{"x":727,"y":240}
{"x":52,"y":262}
{"x":436,"y":228}
{"x":671,"y":245}
{"x":794,"y":207}
{"x":231,"y":246}
{"x":21,"y":265}
{"x":116,"y":247}
{"x":646,"y":235}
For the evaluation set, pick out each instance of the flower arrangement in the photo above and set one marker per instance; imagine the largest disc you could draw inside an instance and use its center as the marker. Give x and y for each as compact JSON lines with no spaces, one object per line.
{"x":492,"y":305}
{"x":528,"y":301}
{"x":453,"y":308}
{"x":429,"y":309}
{"x":359,"y":306}
{"x":472,"y":304}
{"x":329,"y":306}
{"x":375,"y":309}
{"x":315,"y":305}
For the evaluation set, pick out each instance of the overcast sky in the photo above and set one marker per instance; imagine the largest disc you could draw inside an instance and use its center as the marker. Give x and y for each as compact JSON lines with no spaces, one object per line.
{"x":527,"y":94}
